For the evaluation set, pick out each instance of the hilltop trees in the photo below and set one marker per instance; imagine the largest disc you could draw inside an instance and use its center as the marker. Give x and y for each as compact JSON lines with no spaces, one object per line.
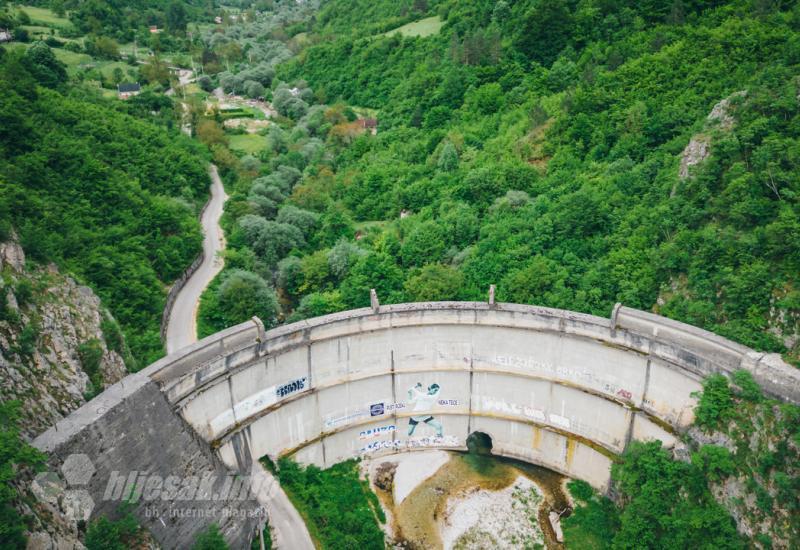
{"x":42,"y":64}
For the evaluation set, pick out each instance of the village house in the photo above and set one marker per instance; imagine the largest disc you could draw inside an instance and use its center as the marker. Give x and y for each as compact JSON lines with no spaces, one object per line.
{"x":369,"y":124}
{"x":128,"y":89}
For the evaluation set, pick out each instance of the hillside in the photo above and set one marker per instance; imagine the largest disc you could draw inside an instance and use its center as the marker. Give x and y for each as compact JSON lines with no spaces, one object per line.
{"x":110,"y":198}
{"x":539,"y":147}
{"x":575,"y":154}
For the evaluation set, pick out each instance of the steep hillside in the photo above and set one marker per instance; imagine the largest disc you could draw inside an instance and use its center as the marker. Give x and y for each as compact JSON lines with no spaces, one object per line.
{"x":110,"y":198}
{"x":542,"y":146}
{"x":58,"y":346}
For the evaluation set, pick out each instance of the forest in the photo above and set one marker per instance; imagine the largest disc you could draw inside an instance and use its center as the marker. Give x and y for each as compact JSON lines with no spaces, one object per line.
{"x":109,"y":197}
{"x":123,"y":19}
{"x":535,"y":146}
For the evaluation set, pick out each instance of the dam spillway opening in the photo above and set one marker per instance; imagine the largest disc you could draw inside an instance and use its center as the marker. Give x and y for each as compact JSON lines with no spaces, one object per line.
{"x":479,"y":443}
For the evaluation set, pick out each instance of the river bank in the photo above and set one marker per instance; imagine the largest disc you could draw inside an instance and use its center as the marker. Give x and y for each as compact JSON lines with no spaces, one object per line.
{"x":450,"y":500}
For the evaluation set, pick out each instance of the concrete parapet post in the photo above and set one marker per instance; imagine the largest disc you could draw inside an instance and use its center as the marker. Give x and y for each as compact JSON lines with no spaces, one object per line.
{"x":614,"y":315}
{"x":373,"y":301}
{"x":491,"y":294}
{"x":261,"y":336}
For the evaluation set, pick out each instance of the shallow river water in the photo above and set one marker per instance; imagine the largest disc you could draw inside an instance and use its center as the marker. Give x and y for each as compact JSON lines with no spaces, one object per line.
{"x":422,"y":517}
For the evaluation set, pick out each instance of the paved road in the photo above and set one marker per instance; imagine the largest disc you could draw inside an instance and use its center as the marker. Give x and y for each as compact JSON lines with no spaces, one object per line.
{"x":182,"y":326}
{"x":289,"y":532}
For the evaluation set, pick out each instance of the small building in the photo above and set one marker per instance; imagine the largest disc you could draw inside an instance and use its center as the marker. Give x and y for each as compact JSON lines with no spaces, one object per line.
{"x":218,"y":20}
{"x":154,"y":29}
{"x":128,"y":89}
{"x":369,"y":124}
{"x":6,"y":35}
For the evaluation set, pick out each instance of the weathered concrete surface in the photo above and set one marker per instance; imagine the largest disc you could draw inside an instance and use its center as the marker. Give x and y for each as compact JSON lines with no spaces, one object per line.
{"x":181,"y":312}
{"x":565,"y":390}
{"x":133,"y":439}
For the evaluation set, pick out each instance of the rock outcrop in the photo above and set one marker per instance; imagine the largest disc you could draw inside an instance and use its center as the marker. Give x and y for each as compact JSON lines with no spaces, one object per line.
{"x":46,"y":324}
{"x":50,"y":326}
{"x":699,"y":147}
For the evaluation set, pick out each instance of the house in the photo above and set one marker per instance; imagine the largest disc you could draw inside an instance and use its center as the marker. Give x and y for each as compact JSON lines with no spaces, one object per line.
{"x":218,"y":20}
{"x":128,"y":89}
{"x":154,"y":29}
{"x":6,"y":35}
{"x":370,"y":124}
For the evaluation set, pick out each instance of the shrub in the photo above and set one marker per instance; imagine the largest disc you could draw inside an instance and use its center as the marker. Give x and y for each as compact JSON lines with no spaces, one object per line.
{"x":714,"y":461}
{"x":242,"y":295}
{"x":210,"y":539}
{"x":90,"y":353}
{"x":14,"y":453}
{"x":104,"y":534}
{"x":716,"y":406}
{"x":749,"y":388}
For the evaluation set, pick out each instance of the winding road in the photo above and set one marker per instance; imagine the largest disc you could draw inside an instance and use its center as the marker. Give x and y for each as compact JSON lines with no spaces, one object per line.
{"x":182,"y":325}
{"x":288,"y":529}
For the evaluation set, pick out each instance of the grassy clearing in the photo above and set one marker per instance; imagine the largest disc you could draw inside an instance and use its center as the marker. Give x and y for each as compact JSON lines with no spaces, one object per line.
{"x":108,"y":68}
{"x":201,"y":27}
{"x":45,"y":17}
{"x":127,"y":49}
{"x":251,"y":144}
{"x":258,"y":114}
{"x":36,"y":30}
{"x":71,"y":59}
{"x":424,"y":27}
{"x":193,"y":89}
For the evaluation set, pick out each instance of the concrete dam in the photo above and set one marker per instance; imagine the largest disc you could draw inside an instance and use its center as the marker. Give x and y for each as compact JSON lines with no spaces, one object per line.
{"x":560,"y":389}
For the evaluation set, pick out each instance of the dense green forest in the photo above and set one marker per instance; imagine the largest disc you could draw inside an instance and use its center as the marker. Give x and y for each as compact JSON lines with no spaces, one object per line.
{"x":107,"y":196}
{"x":537,"y":146}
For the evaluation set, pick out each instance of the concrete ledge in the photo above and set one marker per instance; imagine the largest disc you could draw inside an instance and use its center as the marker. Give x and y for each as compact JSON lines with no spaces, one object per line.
{"x":699,"y":351}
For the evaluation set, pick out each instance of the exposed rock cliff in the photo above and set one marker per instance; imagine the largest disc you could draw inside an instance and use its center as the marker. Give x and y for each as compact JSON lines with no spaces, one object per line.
{"x":699,"y":147}
{"x":53,"y":350}
{"x":58,"y":347}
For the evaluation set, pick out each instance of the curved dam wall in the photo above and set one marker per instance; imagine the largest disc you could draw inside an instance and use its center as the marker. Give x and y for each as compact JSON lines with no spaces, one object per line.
{"x":564,"y":390}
